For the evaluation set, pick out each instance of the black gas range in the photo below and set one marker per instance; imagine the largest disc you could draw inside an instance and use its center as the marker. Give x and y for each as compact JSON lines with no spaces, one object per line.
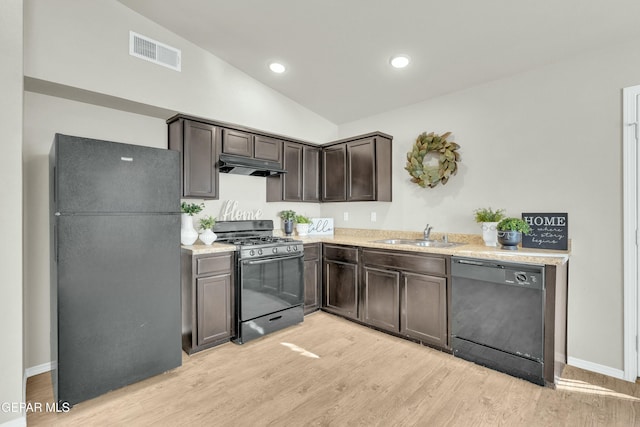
{"x":265,"y":246}
{"x":269,"y":278}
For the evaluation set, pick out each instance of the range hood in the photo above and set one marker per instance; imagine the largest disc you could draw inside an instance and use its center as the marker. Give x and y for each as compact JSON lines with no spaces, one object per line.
{"x":239,"y":165}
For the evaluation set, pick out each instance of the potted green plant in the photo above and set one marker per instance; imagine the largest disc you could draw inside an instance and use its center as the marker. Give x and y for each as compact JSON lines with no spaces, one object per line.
{"x":302,"y":225}
{"x":288,"y":217}
{"x":188,"y":234}
{"x":207,"y":236}
{"x":489,"y":220}
{"x":510,"y":231}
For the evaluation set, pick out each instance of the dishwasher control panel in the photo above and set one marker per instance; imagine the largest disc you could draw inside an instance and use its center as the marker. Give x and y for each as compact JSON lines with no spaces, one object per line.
{"x":525,"y":278}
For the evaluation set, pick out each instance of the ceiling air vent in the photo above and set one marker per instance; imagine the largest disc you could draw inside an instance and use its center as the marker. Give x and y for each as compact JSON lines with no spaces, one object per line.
{"x":145,"y":48}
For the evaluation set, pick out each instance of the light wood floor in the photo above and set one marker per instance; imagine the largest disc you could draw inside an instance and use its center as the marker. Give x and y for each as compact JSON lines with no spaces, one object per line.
{"x":332,"y":372}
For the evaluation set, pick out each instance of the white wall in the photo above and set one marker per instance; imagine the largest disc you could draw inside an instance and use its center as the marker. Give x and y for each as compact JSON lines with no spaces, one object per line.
{"x":207,"y":87}
{"x":545,"y":141}
{"x":86,"y":45}
{"x":11,"y":355}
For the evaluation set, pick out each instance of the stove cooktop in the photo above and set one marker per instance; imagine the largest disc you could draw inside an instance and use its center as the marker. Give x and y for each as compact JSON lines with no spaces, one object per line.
{"x":255,"y":239}
{"x":259,"y":240}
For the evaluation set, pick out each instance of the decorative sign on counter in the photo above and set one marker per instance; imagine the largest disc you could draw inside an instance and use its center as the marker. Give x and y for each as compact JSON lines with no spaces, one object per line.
{"x":321,"y":227}
{"x":548,"y":231}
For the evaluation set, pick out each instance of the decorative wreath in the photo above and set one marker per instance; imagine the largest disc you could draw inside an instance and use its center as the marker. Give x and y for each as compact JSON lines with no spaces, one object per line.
{"x":430,"y":176}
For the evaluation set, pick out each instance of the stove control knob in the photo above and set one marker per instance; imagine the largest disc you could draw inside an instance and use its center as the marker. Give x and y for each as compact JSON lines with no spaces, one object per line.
{"x":259,"y":251}
{"x":288,"y":248}
{"x":295,"y":248}
{"x":251,"y":252}
{"x":274,"y":250}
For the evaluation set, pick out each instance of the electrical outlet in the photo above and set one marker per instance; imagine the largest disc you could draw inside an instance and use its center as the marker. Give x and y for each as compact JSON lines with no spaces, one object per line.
{"x":345,"y":216}
{"x":374,"y":217}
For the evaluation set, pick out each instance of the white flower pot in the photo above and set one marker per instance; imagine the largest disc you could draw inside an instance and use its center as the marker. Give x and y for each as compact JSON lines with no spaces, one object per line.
{"x":490,"y":233}
{"x":188,"y":234}
{"x":208,"y":236}
{"x":302,"y":229}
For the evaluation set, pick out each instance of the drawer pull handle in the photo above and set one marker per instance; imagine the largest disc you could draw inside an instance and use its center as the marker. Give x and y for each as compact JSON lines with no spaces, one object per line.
{"x":275,"y":318}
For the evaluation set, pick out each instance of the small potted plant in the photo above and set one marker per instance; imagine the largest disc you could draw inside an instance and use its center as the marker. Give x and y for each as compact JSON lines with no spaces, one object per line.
{"x":288,"y":217}
{"x":489,"y":220}
{"x":510,"y":231}
{"x":207,"y":236}
{"x":302,"y":225}
{"x":188,"y":234}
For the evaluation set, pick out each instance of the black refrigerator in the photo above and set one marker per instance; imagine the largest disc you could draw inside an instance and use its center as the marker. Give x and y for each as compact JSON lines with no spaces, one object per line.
{"x":115,"y":265}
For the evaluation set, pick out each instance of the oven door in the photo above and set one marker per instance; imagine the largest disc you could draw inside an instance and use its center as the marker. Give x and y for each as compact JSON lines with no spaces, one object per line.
{"x":269,"y":285}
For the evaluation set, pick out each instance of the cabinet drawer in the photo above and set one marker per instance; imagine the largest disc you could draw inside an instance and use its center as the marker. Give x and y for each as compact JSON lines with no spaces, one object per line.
{"x":404,"y":261}
{"x":311,"y":251}
{"x":214,"y":264}
{"x":341,"y":253}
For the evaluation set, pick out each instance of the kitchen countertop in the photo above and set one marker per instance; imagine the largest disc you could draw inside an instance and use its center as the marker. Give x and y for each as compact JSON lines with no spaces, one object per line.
{"x":200,"y":248}
{"x":473,"y":248}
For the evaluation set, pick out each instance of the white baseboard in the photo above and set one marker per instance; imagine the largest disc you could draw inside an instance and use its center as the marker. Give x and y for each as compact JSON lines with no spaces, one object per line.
{"x":38,"y":369}
{"x":594,"y":367}
{"x":18,"y":422}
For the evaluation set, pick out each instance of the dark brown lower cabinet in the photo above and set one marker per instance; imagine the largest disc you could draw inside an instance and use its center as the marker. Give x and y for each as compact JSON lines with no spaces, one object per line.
{"x":381,"y":298}
{"x":214,"y":316}
{"x":340,"y":277}
{"x":312,"y":281}
{"x":406,"y":293}
{"x":207,"y":300}
{"x":423,"y":309}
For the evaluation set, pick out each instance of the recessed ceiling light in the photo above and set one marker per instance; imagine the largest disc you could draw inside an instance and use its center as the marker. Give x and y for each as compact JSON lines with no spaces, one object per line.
{"x":399,"y":61}
{"x":276,"y":67}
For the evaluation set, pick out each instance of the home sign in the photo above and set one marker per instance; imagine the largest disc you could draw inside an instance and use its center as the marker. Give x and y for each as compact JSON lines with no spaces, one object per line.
{"x":548,"y":231}
{"x":230,"y":212}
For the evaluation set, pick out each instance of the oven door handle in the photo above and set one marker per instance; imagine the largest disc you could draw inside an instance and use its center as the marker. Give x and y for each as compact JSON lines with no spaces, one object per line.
{"x":271,"y":259}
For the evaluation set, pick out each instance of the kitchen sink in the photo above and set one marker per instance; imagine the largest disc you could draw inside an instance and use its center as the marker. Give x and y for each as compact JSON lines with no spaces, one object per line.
{"x":397,"y":241}
{"x":418,"y":242}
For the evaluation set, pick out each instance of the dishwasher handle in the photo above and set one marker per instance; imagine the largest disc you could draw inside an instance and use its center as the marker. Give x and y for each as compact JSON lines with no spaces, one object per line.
{"x":478,"y":263}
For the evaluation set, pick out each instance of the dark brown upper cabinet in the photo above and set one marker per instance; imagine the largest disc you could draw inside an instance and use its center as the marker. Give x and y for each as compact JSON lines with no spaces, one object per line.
{"x":310,"y":174}
{"x":352,"y":169}
{"x":357,"y":169}
{"x":198,"y":147}
{"x":266,"y":148}
{"x":236,"y":142}
{"x":251,"y":145}
{"x":301,"y":183}
{"x":334,"y":173}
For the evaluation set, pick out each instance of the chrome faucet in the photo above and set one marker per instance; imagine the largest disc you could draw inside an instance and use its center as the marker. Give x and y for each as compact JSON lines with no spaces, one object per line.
{"x":427,"y":232}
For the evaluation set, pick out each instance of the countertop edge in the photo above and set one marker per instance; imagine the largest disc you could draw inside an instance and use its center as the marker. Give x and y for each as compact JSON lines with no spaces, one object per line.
{"x":469,"y":250}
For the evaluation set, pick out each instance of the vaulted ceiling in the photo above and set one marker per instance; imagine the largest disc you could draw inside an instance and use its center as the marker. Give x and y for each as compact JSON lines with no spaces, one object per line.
{"x":337,"y":51}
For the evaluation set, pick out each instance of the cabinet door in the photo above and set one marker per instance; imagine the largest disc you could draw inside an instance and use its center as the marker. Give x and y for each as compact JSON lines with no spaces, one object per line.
{"x":361,"y":161}
{"x":311,"y":285}
{"x":311,"y":174}
{"x":292,"y":180}
{"x":424,"y":308}
{"x":382,"y":298}
{"x":266,"y":148}
{"x":236,"y":142}
{"x":200,"y":175}
{"x":214,"y":308}
{"x":334,"y":173}
{"x":341,"y":288}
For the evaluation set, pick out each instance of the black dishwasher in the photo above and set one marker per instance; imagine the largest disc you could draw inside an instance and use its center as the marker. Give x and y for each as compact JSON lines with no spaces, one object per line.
{"x":497,"y":311}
